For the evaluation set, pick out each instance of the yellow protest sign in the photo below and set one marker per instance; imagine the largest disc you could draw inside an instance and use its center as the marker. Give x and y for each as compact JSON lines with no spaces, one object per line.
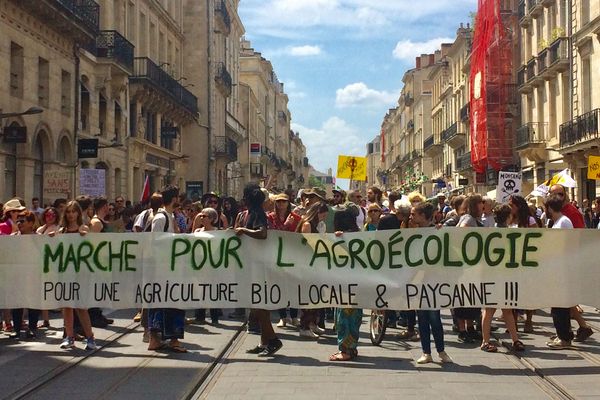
{"x":350,"y":167}
{"x":594,"y":167}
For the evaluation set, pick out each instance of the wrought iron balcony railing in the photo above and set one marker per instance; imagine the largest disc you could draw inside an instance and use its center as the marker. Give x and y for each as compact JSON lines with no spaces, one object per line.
{"x":465,"y":112}
{"x":450,"y":132}
{"x":87,"y":11}
{"x":224,"y":146}
{"x":581,"y":129}
{"x":144,"y":69}
{"x":113,"y":45}
{"x":531,"y":133}
{"x":223,"y":78}
{"x":559,"y":53}
{"x":427,"y":143}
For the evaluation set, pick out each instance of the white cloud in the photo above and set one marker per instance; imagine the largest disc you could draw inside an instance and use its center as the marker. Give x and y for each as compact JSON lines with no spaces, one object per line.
{"x":359,"y":94}
{"x":282,"y":17}
{"x":407,"y":50}
{"x":304,"y":51}
{"x":333,"y":138}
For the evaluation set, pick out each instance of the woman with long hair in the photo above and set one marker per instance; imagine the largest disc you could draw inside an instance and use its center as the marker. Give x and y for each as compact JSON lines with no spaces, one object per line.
{"x":373,"y":216}
{"x":71,"y":223}
{"x":312,"y":222}
{"x":49,"y":220}
{"x":283,"y":219}
{"x":230,"y":210}
{"x":347,"y":320}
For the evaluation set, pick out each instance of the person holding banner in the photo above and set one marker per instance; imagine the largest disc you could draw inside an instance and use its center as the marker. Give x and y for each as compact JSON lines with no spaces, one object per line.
{"x":72,"y":223}
{"x":169,"y":322}
{"x":255,"y":227}
{"x":430,"y":321}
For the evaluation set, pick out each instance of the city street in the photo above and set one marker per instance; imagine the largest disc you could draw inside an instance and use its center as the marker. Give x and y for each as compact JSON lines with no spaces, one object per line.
{"x":217,"y":367}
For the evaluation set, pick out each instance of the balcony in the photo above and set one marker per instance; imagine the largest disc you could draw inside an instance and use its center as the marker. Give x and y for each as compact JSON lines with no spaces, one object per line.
{"x":431,"y":146}
{"x":580,"y":130}
{"x":531,"y":135}
{"x":465,"y":112}
{"x":463,"y":162}
{"x":453,"y":137}
{"x":222,"y":17}
{"x":415,"y":154}
{"x":558,"y":56}
{"x":223,"y":79}
{"x":79,"y":19}
{"x":533,"y":75}
{"x":542,"y":64}
{"x":113,"y":47}
{"x":535,"y":8}
{"x":146,"y":72}
{"x":408,"y":99}
{"x":523,"y":84}
{"x":225,"y":147}
{"x":524,"y":17}
{"x":405,"y":158}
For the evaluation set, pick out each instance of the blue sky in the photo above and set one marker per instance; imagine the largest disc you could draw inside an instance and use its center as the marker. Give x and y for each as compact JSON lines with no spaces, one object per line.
{"x":342,"y":61}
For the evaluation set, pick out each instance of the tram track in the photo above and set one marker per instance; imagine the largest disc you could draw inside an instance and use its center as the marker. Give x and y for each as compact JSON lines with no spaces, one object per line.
{"x":46,"y":379}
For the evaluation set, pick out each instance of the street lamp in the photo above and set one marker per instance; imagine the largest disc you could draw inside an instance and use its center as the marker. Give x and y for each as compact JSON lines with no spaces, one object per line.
{"x":29,"y":111}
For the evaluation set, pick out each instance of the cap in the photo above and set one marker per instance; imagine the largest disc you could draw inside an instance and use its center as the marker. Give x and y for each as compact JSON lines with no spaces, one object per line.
{"x":13,"y":205}
{"x":282,"y":196}
{"x":317,"y":191}
{"x":340,"y":191}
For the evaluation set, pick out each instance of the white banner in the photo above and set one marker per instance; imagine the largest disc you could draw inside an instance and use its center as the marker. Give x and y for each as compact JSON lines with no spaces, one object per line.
{"x":400,"y":270}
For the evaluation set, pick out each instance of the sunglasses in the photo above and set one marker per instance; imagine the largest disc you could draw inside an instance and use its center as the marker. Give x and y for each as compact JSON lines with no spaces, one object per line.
{"x":374,"y":211}
{"x":21,"y":221}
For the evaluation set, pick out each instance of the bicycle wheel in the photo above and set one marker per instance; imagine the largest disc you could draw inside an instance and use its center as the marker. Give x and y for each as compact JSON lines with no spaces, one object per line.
{"x":377,"y":326}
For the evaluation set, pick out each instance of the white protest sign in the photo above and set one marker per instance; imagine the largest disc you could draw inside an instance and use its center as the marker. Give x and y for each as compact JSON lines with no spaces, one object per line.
{"x":92,"y":182}
{"x":508,"y":183}
{"x":398,"y":270}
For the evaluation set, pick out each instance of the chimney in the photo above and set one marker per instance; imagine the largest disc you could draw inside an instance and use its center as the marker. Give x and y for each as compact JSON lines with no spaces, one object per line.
{"x":418,"y":62}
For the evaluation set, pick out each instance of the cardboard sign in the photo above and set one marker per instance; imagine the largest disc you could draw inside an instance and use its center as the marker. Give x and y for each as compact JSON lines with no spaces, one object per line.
{"x":92,"y":182}
{"x":508,"y":183}
{"x":594,"y":167}
{"x":57,"y":182}
{"x":350,"y":167}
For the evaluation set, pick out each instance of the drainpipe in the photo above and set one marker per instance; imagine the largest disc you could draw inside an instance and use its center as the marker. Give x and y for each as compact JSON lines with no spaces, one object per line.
{"x":209,"y":159}
{"x":76,"y":117}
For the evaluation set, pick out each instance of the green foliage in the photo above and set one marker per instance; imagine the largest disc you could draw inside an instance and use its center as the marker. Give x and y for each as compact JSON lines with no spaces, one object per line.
{"x":557,"y":32}
{"x":313,"y":181}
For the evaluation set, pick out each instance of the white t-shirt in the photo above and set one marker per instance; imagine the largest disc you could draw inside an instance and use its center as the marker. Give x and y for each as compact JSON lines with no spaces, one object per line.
{"x":159,"y":220}
{"x":563,"y":223}
{"x":142,"y":219}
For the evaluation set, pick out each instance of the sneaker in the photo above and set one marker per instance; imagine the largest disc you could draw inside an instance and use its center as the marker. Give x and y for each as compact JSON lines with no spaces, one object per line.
{"x":255,"y":350}
{"x":317,"y":329}
{"x":68,"y":343}
{"x":583,"y":334}
{"x":282,"y":323}
{"x":90,"y":344}
{"x":406,"y":334}
{"x":425,"y":359}
{"x":307,"y":333}
{"x":445,"y":358}
{"x":295,"y":322}
{"x":272,"y":348}
{"x":559,"y":344}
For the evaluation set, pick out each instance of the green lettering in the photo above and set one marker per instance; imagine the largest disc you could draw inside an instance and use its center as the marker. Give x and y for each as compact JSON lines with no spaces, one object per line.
{"x":336,"y":258}
{"x":438,"y":256}
{"x":355,"y":251}
{"x":232,"y":251}
{"x":71,"y":258}
{"x":394,"y":239}
{"x":478,"y":252}
{"x":50,"y":256}
{"x":447,"y":261}
{"x":97,"y":262}
{"x":409,"y":241}
{"x":129,"y":256}
{"x":488,"y":249}
{"x":381,"y":249}
{"x":216,"y":264}
{"x":204,"y":256}
{"x":324,"y":253}
{"x":280,"y":262}
{"x":527,"y":248}
{"x":176,"y":253}
{"x":83,"y":256}
{"x":512,"y":238}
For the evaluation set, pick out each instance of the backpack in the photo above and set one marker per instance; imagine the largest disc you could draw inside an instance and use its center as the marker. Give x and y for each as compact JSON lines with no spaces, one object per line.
{"x":148,"y":224}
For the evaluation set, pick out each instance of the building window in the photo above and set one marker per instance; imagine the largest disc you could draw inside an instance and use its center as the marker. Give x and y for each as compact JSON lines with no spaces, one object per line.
{"x":118,"y":178}
{"x":118,"y":123}
{"x":586,"y":84}
{"x":66,"y":93}
{"x":85,"y":108}
{"x":16,"y":70}
{"x":43,"y":82}
{"x":131,"y":22}
{"x":142,"y":35}
{"x":102,"y":115}
{"x":10,"y":167}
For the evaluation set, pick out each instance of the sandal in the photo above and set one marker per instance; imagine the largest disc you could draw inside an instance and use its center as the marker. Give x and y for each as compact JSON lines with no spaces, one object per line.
{"x":518,"y":346}
{"x":161,"y":346}
{"x":341,"y":356}
{"x":489,"y":348}
{"x":178,"y":349}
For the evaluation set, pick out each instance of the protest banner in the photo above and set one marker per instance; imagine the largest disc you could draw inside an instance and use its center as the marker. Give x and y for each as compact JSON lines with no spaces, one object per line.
{"x":509,"y":183}
{"x":57,"y":182}
{"x":353,"y":168}
{"x":398,"y":270}
{"x":92,"y":182}
{"x":594,"y":168}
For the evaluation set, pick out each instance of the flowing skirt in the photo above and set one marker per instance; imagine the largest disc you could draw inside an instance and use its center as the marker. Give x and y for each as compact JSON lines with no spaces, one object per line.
{"x":168,"y":321}
{"x":347,"y":323}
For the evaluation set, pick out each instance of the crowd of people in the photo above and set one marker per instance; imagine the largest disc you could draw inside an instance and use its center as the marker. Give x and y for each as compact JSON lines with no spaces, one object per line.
{"x":307,"y":211}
